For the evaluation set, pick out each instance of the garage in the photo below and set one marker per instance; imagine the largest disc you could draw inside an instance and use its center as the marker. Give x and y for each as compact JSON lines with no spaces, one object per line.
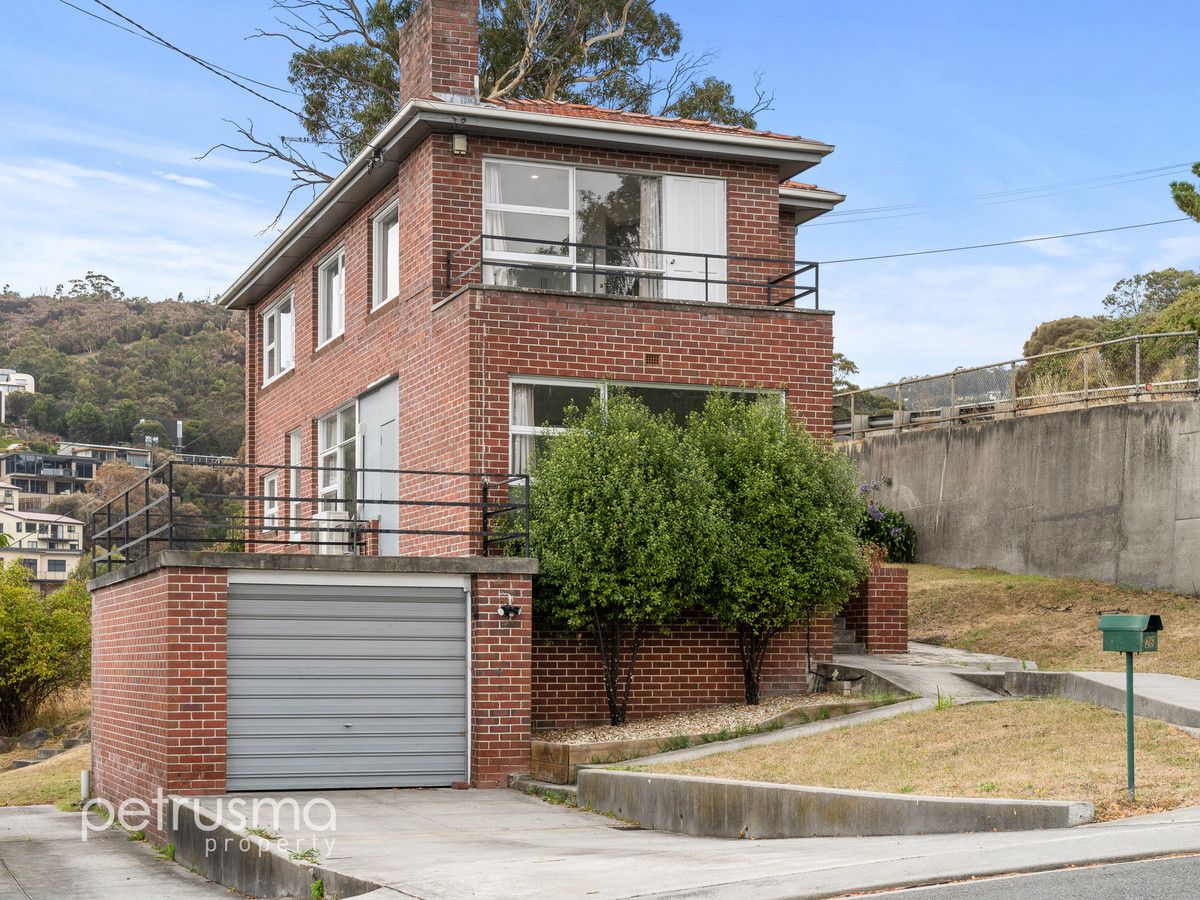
{"x":339,"y":681}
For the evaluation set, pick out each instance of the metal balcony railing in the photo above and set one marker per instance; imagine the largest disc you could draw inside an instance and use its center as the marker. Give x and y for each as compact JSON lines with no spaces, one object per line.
{"x":311,"y":509}
{"x":1166,"y":364}
{"x":627,"y":271}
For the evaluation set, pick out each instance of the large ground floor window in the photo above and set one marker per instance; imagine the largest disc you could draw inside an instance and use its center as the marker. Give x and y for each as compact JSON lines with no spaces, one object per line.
{"x":538,"y":407}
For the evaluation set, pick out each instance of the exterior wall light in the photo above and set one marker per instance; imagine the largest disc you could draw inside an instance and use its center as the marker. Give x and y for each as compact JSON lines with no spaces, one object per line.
{"x":458,"y":144}
{"x":507,"y":609}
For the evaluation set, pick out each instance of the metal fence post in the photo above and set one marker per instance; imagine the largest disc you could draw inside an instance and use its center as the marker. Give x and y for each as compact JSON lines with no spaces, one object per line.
{"x":1012,"y":386}
{"x":953,"y":395}
{"x":146,"y":515}
{"x":171,"y":505}
{"x":1086,"y":368}
{"x":1137,"y":363}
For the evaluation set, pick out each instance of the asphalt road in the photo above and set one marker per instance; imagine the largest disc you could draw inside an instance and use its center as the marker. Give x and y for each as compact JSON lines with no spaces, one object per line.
{"x":1160,"y":879}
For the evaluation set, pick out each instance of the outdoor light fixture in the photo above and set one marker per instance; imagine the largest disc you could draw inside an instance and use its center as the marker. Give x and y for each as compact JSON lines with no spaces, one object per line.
{"x":507,"y":609}
{"x":458,"y":144}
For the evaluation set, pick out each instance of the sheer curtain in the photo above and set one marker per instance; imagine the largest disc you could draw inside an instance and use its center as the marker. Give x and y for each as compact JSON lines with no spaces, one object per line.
{"x":650,"y":234}
{"x":522,"y":417}
{"x":493,"y":222}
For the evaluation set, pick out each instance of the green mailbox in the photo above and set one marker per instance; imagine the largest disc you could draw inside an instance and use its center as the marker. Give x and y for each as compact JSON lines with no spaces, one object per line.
{"x":1131,"y":634}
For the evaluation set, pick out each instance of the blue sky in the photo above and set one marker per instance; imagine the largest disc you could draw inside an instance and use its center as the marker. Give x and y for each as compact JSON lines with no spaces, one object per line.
{"x":929,"y":104}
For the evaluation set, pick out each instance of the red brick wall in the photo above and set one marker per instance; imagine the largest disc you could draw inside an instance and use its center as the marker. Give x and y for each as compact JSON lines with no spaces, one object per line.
{"x":500,"y":684}
{"x":158,"y":685}
{"x":439,"y":49}
{"x":878,"y":610}
{"x":695,"y":665}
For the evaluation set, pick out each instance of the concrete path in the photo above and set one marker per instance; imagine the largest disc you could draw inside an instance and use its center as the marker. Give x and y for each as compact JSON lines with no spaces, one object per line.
{"x":1170,"y":698}
{"x":42,"y":857}
{"x":450,"y":844}
{"x":925,"y":670}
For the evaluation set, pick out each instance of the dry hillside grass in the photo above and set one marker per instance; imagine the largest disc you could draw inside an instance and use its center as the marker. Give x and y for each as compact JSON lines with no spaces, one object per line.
{"x":1021,"y":749}
{"x":1051,"y":621}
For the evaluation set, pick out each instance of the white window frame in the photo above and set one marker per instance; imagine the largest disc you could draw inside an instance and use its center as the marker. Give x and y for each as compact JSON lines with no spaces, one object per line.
{"x":331,"y":324}
{"x":568,"y":263}
{"x":278,"y":355}
{"x":515,"y":429}
{"x":295,"y":456}
{"x":334,"y":457}
{"x":380,"y":257}
{"x":270,"y":494}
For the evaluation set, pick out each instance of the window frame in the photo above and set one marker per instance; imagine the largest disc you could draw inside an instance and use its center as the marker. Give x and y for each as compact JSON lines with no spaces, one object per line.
{"x":337,"y":311}
{"x":570,"y":263}
{"x":278,"y":346}
{"x":295,"y":452}
{"x":270,"y":495}
{"x":331,"y":496}
{"x":379,"y":260}
{"x":602,"y":385}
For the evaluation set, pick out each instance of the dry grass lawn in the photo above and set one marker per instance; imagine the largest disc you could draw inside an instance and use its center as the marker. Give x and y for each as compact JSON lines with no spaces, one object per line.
{"x":1021,"y":749}
{"x":54,"y":781}
{"x":1051,"y":621}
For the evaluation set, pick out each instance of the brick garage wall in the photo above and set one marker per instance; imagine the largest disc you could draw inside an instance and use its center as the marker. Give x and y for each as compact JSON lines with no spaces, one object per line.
{"x":878,"y":609}
{"x":158,"y":685}
{"x":501,"y":672}
{"x":695,"y":665}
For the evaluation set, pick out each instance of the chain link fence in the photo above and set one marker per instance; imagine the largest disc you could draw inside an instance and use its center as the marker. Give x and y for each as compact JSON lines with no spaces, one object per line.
{"x":1111,"y":371}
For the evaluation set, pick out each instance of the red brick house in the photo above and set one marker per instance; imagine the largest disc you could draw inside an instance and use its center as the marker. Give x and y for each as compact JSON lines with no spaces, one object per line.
{"x":477,"y":268}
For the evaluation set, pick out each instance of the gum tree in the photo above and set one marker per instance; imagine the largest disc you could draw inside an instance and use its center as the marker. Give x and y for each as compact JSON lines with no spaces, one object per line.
{"x":624,"y":528}
{"x":790,"y":510}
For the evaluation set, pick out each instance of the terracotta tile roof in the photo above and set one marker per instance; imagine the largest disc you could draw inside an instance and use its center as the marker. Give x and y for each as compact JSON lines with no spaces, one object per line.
{"x":801,"y":186}
{"x":43,"y":517}
{"x":584,"y":111}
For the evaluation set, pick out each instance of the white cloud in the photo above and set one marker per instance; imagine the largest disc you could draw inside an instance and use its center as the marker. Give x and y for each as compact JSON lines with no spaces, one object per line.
{"x":185,"y":180}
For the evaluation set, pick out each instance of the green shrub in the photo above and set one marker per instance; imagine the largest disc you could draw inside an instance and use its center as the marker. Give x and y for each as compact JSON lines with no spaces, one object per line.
{"x":888,"y":529}
{"x":45,"y":645}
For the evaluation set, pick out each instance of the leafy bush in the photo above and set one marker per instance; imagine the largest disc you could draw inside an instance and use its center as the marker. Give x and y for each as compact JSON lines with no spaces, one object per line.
{"x":888,"y":529}
{"x":624,"y":526}
{"x":789,"y":509}
{"x":45,"y":645}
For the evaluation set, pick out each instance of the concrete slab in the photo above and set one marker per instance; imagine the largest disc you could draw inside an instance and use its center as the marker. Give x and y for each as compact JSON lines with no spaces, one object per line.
{"x":1170,"y":698}
{"x":926,"y":670}
{"x":450,"y":844}
{"x":42,"y":857}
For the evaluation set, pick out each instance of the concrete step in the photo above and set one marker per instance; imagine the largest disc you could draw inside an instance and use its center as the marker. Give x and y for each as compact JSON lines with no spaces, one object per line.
{"x":47,"y":752}
{"x":69,"y":743}
{"x":839,"y":623}
{"x":844,"y":636}
{"x":22,"y":763}
{"x":857,"y":648}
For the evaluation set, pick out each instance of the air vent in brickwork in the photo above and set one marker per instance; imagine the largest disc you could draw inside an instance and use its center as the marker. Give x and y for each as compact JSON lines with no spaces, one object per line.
{"x":654,"y":359}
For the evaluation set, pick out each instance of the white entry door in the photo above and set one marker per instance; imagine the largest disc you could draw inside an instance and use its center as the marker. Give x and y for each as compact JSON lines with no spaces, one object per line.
{"x":378,"y":413}
{"x":693,"y":223}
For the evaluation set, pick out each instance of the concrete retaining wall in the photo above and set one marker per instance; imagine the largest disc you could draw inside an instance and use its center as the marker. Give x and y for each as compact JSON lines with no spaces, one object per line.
{"x":1111,"y":492}
{"x":720,"y":808}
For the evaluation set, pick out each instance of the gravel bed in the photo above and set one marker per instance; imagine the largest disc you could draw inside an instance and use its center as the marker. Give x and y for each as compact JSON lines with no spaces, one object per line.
{"x":712,"y":719}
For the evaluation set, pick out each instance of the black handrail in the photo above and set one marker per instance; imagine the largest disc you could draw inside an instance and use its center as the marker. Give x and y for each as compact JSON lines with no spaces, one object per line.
{"x":155,"y":513}
{"x":568,"y":264}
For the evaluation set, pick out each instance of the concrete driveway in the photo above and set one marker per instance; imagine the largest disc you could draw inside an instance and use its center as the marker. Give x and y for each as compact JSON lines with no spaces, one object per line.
{"x":453,"y":844}
{"x":43,"y":858}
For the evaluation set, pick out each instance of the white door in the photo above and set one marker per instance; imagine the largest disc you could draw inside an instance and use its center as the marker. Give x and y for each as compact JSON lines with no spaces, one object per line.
{"x":694,"y":223}
{"x":378,"y":412}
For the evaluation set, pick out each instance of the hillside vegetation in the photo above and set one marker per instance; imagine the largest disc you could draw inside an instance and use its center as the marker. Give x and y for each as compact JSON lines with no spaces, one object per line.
{"x":103,"y":362}
{"x":1052,"y":621}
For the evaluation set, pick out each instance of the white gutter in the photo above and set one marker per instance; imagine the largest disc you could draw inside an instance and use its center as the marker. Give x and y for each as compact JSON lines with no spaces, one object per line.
{"x":469,"y":117}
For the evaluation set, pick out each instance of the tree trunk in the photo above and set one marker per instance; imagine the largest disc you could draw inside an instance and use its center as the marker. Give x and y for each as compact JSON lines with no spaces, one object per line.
{"x":752,"y":649}
{"x":608,"y":637}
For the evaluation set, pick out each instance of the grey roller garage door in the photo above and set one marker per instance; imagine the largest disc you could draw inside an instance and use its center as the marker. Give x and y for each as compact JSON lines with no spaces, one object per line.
{"x":334,"y":687}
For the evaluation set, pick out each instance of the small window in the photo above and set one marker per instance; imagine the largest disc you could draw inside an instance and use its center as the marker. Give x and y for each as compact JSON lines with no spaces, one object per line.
{"x":278,"y":339}
{"x":270,"y":493}
{"x":56,"y":565}
{"x":385,"y":252}
{"x":331,"y":298}
{"x":336,"y":454}
{"x":31,"y":565}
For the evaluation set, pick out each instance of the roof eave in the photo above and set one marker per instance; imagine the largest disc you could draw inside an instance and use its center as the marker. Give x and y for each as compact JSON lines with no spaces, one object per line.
{"x":369,"y":172}
{"x":806,"y":205}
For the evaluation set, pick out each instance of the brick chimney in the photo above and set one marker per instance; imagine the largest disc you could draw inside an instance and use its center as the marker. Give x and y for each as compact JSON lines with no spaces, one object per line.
{"x":439,"y":51}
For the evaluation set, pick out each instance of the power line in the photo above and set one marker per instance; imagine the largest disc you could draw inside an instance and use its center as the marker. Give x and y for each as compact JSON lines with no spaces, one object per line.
{"x":196,"y":59}
{"x":903,"y":210}
{"x":1048,"y":237}
{"x":144,"y":37}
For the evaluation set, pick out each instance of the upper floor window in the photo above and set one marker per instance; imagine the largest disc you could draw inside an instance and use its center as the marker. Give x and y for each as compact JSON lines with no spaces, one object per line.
{"x":331,"y":297}
{"x":336,"y":455}
{"x":271,"y":500}
{"x":385,"y":247}
{"x":599,"y":231}
{"x":278,"y":339}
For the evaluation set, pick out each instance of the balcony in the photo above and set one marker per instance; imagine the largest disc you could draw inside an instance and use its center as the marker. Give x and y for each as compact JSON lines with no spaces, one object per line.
{"x":573,"y":267}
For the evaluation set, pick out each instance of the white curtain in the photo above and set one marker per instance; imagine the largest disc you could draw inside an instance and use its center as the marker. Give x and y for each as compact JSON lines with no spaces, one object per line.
{"x":522,"y":415}
{"x":493,"y":222}
{"x":650,"y":234}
